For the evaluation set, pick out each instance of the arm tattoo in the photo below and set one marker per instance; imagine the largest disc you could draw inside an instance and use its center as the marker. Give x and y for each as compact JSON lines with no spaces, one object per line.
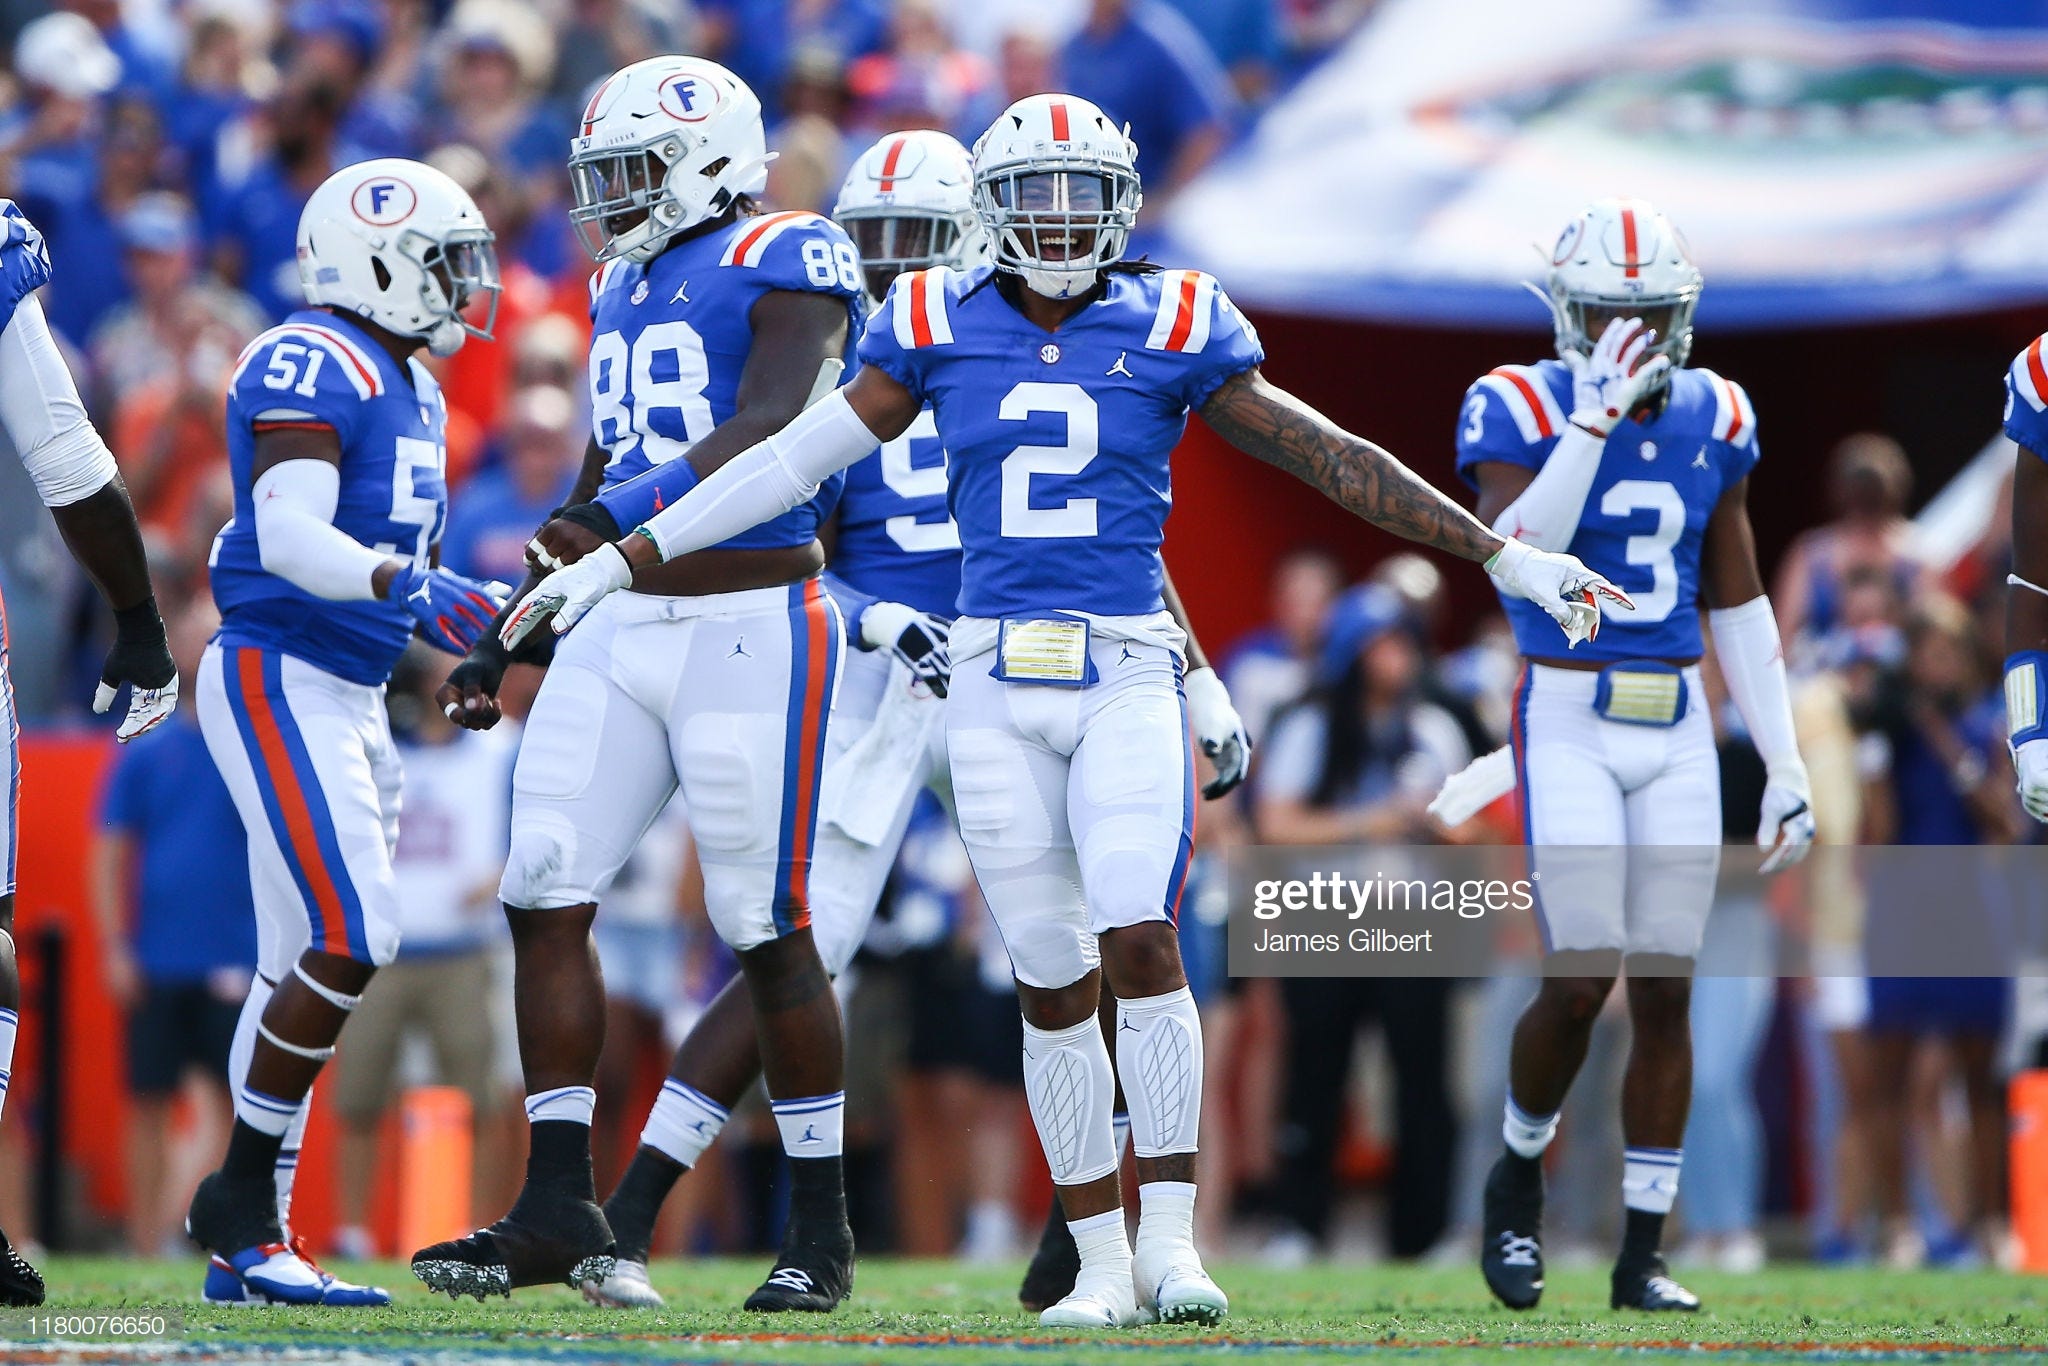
{"x":1278,"y":428}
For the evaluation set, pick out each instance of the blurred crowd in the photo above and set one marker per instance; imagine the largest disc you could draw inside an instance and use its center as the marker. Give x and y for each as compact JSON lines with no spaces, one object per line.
{"x":165,"y":150}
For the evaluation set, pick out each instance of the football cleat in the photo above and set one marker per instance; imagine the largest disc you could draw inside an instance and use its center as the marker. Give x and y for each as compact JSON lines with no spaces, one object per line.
{"x":812,"y":1275}
{"x":1511,"y":1238}
{"x":1172,"y":1287}
{"x":269,"y":1273}
{"x":547,"y":1238}
{"x":1050,"y":1277}
{"x":1096,"y":1304}
{"x":1649,"y":1287}
{"x":333,"y":1289}
{"x":626,"y":1288}
{"x":235,"y":1219}
{"x":21,"y":1285}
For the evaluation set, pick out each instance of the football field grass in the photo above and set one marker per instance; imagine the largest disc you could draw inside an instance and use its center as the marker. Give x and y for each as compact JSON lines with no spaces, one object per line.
{"x":940,"y":1313}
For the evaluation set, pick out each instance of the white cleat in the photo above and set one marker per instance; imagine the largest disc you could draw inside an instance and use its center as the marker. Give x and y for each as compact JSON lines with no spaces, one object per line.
{"x":626,"y":1288}
{"x":1172,"y":1287}
{"x":1096,"y":1306}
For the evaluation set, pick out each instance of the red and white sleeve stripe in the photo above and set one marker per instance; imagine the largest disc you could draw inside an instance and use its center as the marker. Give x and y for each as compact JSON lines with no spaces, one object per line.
{"x":2030,"y":375}
{"x":1734,"y":419}
{"x":1187,"y":300}
{"x":1523,"y":391}
{"x":918,"y":315}
{"x":751,"y":242}
{"x":351,"y":359}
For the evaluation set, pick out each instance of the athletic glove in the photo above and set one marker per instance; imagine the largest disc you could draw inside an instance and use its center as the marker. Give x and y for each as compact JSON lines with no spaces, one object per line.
{"x":1786,"y":829}
{"x":567,"y":594}
{"x":1568,"y":591}
{"x":141,"y":658}
{"x":452,"y":610}
{"x":917,"y":639}
{"x":1219,"y":729}
{"x":1613,"y":382}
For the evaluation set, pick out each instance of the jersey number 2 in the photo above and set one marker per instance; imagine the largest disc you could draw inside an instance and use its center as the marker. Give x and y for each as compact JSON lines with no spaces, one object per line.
{"x":1075,"y":517}
{"x":1651,"y":551}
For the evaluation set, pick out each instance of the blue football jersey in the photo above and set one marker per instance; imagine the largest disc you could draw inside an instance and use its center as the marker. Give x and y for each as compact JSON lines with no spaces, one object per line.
{"x":318,"y":369}
{"x":1646,"y":515}
{"x":2026,"y":399}
{"x":670,"y":340}
{"x":1059,"y":444}
{"x":24,"y":260}
{"x":897,"y":539}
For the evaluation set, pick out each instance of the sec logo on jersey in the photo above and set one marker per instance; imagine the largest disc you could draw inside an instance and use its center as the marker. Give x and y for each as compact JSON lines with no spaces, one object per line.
{"x":689,"y":98}
{"x":383,"y":201}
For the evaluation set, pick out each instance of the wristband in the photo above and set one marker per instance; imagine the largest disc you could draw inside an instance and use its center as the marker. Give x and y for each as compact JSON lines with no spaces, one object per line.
{"x":636,"y":500}
{"x":2026,"y":695}
{"x":592,"y":517}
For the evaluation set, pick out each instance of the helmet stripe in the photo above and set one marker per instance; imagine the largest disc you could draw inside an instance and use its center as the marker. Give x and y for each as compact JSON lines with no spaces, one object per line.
{"x":889,"y":160}
{"x":590,"y":110}
{"x":1628,"y":241}
{"x":1060,"y":130}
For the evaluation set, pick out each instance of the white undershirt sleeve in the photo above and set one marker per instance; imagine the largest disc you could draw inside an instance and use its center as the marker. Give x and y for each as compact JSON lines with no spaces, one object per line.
{"x":765,"y":480}
{"x":1752,"y":661}
{"x":1547,"y":513}
{"x":296,"y":536}
{"x":40,"y":408}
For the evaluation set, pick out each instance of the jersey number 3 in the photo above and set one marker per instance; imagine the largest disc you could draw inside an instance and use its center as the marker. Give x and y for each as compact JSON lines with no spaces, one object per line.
{"x":1076,"y":516}
{"x":1651,"y":551}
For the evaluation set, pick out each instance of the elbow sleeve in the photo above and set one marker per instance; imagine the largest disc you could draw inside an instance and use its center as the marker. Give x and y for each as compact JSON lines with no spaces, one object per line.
{"x":297,"y":540}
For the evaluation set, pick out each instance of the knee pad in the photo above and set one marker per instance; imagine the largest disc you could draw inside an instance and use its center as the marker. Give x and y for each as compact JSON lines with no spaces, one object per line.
{"x":541,"y":872}
{"x":1071,"y":1090}
{"x":1127,"y":861}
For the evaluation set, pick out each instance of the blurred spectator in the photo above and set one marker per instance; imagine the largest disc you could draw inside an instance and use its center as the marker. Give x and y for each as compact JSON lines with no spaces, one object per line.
{"x":451,"y":849}
{"x":811,"y":154}
{"x":177,"y":943}
{"x":1142,"y":65}
{"x":499,"y":59}
{"x":220,"y":80}
{"x":760,"y":40}
{"x":146,"y":50}
{"x":335,"y":43}
{"x":600,"y":36}
{"x":1357,"y":763}
{"x":1419,"y":585}
{"x":64,"y":67}
{"x":922,"y":79}
{"x":80,"y":215}
{"x":499,"y":510}
{"x":1245,"y":36}
{"x":1869,"y":483}
{"x":1274,"y":665}
{"x":252,"y":212}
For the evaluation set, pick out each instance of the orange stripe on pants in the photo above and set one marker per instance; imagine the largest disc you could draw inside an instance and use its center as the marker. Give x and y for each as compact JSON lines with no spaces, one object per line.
{"x":291,"y":800}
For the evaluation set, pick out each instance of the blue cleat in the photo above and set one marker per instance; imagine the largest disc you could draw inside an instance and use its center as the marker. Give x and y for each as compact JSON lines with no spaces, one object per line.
{"x":284,"y":1274}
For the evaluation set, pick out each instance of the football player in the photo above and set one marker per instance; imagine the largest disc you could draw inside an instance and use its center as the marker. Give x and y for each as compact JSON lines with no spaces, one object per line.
{"x":336,"y":440}
{"x":895,"y":571}
{"x":1620,"y":454}
{"x":713,"y":325}
{"x":74,"y":474}
{"x":1060,"y":380}
{"x":2026,"y":611}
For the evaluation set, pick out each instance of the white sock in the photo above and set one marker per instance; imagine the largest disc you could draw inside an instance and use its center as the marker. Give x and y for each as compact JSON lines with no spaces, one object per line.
{"x":10,"y":1024}
{"x":242,"y":1048}
{"x":812,"y":1126}
{"x":288,"y":1164}
{"x":575,"y":1104}
{"x":1649,"y":1178}
{"x":683,"y":1123}
{"x":1527,"y":1135}
{"x":1166,"y":1214}
{"x":1104,"y":1246}
{"x":1070,"y":1087}
{"x":266,"y":1114}
{"x":1159,"y":1058}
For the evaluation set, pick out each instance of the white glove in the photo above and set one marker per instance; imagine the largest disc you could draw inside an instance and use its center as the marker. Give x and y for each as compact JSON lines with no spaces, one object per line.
{"x":1786,"y":828}
{"x":1219,"y":729}
{"x":568,"y":593}
{"x":146,"y":706}
{"x":1612,"y":382}
{"x":2030,"y":761}
{"x":1475,"y":787}
{"x":1559,"y":584}
{"x":916,"y":638}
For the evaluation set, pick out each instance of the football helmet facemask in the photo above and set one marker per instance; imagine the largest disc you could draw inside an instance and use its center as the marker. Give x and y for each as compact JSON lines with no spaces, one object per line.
{"x":1621,"y":258}
{"x":1056,"y":186}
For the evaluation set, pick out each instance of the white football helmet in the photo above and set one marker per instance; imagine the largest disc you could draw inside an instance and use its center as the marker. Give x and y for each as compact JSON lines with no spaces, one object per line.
{"x":1056,"y":185}
{"x":1620,"y":258}
{"x":908,"y":204}
{"x":400,"y":244}
{"x":665,"y":144}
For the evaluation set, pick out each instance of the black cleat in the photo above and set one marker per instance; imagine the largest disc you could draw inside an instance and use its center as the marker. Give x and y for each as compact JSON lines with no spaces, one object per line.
{"x":231,"y":1214}
{"x":1511,"y":1240}
{"x":813,"y":1274}
{"x":1649,"y":1287}
{"x":1054,"y":1267}
{"x":546,"y":1239}
{"x":21,"y":1285}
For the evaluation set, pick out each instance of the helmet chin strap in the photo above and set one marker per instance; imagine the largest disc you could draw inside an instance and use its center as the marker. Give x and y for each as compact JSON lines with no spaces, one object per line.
{"x":1058,"y":284}
{"x":447,"y":337}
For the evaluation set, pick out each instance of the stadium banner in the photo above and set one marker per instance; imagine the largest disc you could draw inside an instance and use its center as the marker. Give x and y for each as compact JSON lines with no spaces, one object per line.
{"x":1829,"y":162}
{"x":1866,"y":911}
